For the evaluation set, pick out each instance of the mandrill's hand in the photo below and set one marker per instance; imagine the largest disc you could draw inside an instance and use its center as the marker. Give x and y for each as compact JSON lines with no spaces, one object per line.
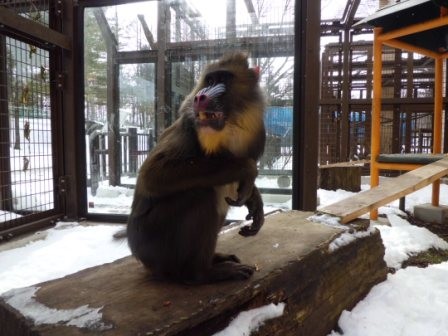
{"x":246,"y":184}
{"x":245,"y":190}
{"x":256,"y":213}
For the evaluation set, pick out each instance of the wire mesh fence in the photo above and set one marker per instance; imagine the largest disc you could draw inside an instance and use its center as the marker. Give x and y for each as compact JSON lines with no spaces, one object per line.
{"x":35,"y":10}
{"x":407,"y":106}
{"x":27,"y":157}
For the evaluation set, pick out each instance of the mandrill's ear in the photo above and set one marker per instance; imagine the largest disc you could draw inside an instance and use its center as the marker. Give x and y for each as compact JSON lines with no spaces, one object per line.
{"x":256,"y":70}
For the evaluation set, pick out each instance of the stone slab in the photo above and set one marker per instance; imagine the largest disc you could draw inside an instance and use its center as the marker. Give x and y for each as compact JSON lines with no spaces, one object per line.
{"x":431,"y":214}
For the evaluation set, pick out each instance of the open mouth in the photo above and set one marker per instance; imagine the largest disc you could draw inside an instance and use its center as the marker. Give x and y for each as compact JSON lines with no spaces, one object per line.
{"x":206,"y":115}
{"x":214,"y":119}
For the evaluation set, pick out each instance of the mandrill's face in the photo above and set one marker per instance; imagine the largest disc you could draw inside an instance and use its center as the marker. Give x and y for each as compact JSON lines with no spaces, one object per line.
{"x":209,"y":104}
{"x":227,"y":106}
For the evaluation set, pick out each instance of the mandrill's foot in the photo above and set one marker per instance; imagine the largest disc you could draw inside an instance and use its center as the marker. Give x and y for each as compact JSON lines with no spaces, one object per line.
{"x":221,"y":271}
{"x":229,"y":270}
{"x":221,"y":257}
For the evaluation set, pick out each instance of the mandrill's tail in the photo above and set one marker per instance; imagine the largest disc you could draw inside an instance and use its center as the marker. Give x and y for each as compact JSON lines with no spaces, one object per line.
{"x":121,"y":234}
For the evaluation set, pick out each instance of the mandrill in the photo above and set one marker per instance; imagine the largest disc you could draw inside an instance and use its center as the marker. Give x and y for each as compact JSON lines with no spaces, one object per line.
{"x":202,"y":163}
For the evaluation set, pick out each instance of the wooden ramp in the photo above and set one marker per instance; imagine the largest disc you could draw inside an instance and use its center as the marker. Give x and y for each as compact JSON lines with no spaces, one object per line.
{"x":294,"y":262}
{"x":388,"y":191}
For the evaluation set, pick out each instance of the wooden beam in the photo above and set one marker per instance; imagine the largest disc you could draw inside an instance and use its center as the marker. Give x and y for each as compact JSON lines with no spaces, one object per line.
{"x":147,"y":32}
{"x":280,"y":46}
{"x":360,"y":163}
{"x":231,"y":19}
{"x":437,"y":131}
{"x":384,"y":101}
{"x":298,"y":262}
{"x":416,"y":28}
{"x":306,"y":110}
{"x":189,"y":15}
{"x":409,"y":47}
{"x":375,"y":138}
{"x":5,"y":141}
{"x":346,"y":89}
{"x":349,"y":13}
{"x":21,"y":25}
{"x":113,"y":113}
{"x":397,"y":166}
{"x":162,"y":117}
{"x":106,"y":32}
{"x":137,"y":56}
{"x":113,"y":118}
{"x":251,"y":11}
{"x":445,"y":105}
{"x":396,"y":123}
{"x":388,"y":191}
{"x":438,"y":100}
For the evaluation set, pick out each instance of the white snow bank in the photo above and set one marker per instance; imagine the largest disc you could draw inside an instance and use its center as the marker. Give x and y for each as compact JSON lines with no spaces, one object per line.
{"x":402,"y":240}
{"x":348,"y":237}
{"x":410,"y":302}
{"x":82,"y":317}
{"x":328,"y":220}
{"x":68,"y":248}
{"x":249,"y":321}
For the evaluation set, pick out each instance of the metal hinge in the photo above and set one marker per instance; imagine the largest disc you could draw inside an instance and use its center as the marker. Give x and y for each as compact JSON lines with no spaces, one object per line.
{"x":60,"y":80}
{"x":59,"y":8}
{"x":63,"y":184}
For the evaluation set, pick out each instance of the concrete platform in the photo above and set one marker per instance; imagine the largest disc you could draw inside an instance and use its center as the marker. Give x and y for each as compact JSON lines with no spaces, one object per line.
{"x":431,"y":214}
{"x":314,"y":268}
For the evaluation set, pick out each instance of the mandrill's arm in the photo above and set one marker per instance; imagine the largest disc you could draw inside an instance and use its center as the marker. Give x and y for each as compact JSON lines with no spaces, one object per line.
{"x":254,"y":204}
{"x":163,"y":174}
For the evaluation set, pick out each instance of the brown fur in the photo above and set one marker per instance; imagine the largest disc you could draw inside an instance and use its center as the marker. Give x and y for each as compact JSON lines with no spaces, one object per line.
{"x":189,"y":179}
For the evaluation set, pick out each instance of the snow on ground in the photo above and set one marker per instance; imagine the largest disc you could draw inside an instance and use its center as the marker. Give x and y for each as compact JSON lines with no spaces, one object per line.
{"x":251,"y":320}
{"x":402,"y":239}
{"x":412,"y":301}
{"x":23,"y":300}
{"x":67,"y":248}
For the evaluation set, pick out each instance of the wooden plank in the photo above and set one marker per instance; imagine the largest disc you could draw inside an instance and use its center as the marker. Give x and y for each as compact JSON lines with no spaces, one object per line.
{"x":31,"y":28}
{"x":294,"y":265}
{"x":390,"y":190}
{"x":360,"y":163}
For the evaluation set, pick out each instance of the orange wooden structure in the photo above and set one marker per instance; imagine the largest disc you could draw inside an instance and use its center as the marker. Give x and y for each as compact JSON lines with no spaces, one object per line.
{"x":398,"y":37}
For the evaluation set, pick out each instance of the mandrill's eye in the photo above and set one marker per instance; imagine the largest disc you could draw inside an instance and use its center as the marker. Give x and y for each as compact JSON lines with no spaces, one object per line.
{"x":210,"y":81}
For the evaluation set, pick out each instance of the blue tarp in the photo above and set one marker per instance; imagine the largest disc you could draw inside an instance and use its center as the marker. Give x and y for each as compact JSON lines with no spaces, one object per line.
{"x":278,"y":120}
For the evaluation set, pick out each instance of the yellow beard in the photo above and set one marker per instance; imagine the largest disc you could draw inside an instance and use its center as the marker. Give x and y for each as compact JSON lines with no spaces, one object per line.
{"x":211,"y":141}
{"x":236,"y":136}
